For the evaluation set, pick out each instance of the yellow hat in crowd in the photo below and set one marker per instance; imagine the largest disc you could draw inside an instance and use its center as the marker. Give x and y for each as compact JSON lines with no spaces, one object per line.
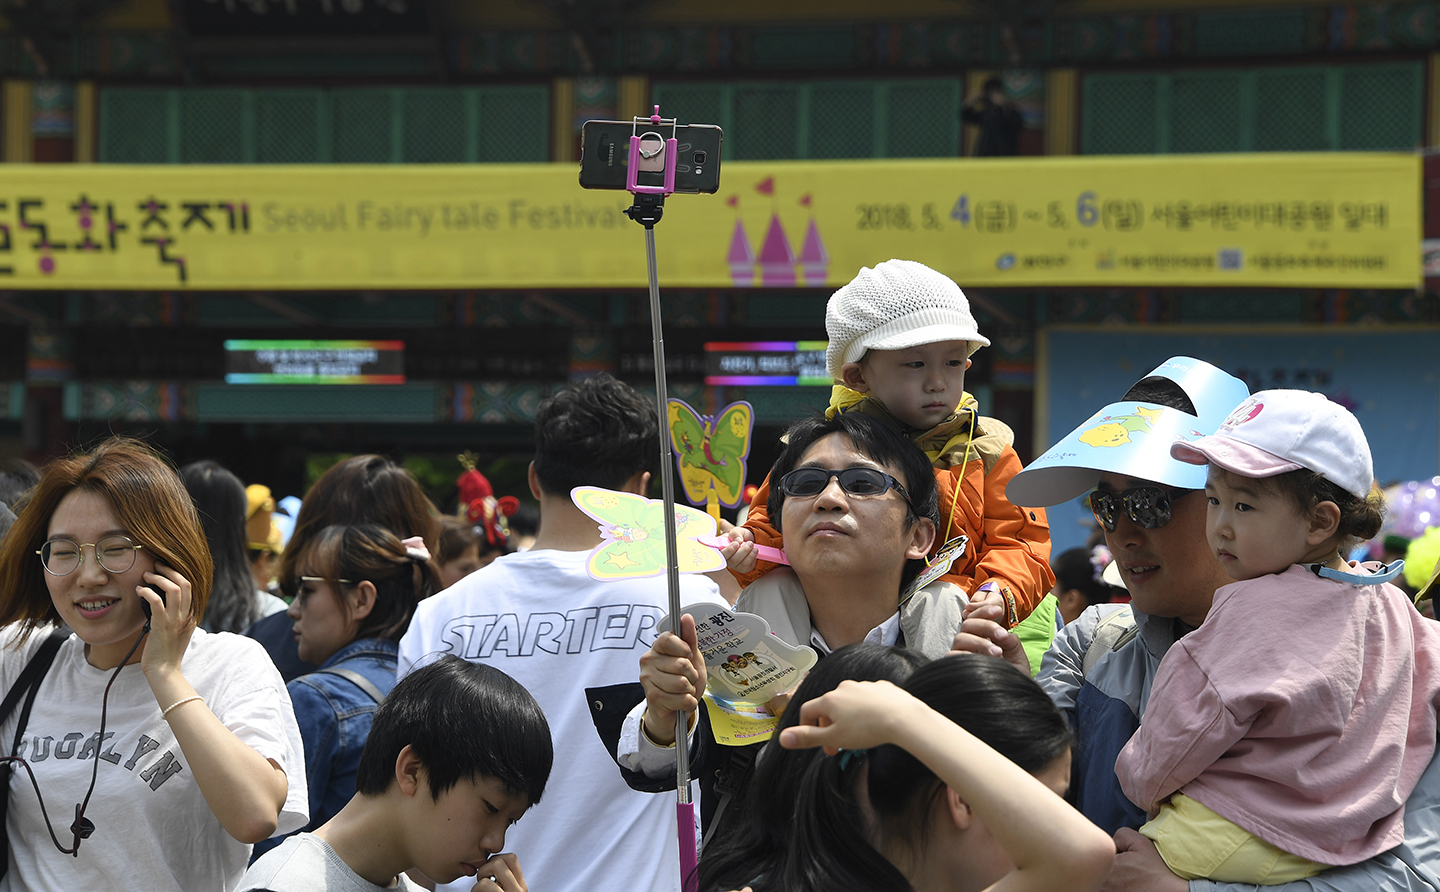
{"x":261,"y":531}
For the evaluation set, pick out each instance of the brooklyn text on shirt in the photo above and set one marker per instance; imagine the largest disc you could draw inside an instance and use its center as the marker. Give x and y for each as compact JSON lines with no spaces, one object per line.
{"x":156,"y":771}
{"x":609,"y":627}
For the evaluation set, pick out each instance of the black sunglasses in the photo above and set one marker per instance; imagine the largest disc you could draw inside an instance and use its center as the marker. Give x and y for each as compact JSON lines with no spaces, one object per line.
{"x":1147,"y":506}
{"x":808,"y":482}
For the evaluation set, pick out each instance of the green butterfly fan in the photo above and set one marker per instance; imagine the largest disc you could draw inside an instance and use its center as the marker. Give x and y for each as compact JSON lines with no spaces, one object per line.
{"x":710,"y":452}
{"x":633,"y":530}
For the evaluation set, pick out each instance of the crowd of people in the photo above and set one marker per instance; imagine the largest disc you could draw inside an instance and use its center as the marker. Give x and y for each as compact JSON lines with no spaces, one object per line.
{"x":1216,"y":695}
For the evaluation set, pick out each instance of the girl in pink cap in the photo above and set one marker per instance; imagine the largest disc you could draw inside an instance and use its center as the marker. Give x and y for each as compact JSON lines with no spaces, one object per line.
{"x":1284,"y":735}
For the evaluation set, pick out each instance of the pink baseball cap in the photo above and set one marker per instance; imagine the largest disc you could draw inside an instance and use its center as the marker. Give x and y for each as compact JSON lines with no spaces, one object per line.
{"x":1275,"y":431}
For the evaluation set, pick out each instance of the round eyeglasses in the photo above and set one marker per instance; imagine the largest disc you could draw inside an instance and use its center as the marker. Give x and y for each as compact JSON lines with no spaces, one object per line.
{"x":114,"y":554}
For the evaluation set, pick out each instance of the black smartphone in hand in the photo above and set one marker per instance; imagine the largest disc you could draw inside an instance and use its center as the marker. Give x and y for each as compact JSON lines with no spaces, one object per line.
{"x":144,"y":604}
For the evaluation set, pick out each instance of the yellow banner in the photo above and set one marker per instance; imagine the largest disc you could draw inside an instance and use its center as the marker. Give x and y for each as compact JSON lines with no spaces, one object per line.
{"x":1320,"y":220}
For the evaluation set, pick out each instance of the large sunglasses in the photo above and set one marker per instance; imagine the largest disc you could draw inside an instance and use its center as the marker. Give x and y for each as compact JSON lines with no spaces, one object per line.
{"x":807,"y":482}
{"x":1146,"y":506}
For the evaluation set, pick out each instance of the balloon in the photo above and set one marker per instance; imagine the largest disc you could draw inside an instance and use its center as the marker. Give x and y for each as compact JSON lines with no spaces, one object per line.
{"x":1415,"y":508}
{"x":1421,"y":557}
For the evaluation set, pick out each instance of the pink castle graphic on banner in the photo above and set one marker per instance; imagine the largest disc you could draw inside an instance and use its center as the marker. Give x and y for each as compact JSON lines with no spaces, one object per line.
{"x":814,"y":259}
{"x":741,"y":257}
{"x":776,"y":260}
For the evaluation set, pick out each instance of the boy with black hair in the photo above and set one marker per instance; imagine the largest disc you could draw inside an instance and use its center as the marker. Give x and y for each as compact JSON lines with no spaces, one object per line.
{"x":457,"y":753}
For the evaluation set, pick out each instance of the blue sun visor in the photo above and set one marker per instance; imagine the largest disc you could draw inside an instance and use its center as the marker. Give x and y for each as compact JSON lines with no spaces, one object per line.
{"x":1133,"y":438}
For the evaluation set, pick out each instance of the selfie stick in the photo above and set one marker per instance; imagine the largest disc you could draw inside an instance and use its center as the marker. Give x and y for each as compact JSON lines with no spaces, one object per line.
{"x":649,"y":206}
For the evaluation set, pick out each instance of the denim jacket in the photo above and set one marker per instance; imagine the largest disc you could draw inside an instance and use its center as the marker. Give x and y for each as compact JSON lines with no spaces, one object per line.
{"x":334,"y":716}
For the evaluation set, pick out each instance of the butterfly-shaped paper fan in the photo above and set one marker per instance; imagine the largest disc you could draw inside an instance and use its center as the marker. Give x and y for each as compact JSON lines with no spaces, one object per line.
{"x":633,"y":530}
{"x":711,"y":449}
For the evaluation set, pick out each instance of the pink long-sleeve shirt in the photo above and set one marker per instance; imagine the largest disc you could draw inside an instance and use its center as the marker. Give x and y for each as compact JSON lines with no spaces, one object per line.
{"x":1303,"y":710}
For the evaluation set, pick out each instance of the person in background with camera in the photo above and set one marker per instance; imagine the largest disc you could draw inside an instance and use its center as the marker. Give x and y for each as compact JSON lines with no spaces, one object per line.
{"x":358,"y":588}
{"x":998,"y":118}
{"x":181,"y":744}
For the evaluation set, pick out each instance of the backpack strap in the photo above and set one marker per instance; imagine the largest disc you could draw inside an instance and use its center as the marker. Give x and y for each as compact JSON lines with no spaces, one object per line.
{"x":1113,"y":633}
{"x":358,"y":681}
{"x":27,"y":685}
{"x":732,"y":779}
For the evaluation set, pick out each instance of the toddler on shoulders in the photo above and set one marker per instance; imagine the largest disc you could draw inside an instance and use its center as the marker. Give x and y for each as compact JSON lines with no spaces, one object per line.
{"x":1284,"y":735}
{"x":901,"y":337}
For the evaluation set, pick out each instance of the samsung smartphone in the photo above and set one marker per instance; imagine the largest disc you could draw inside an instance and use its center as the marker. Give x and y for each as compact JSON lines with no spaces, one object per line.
{"x":605,"y":155}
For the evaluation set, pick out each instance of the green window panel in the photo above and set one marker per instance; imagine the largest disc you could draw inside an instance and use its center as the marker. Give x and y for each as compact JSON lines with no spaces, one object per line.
{"x":135,"y":126}
{"x":1368,"y":107}
{"x":291,"y":127}
{"x":1381,"y":107}
{"x":513,"y":124}
{"x":767,"y":118}
{"x":842,"y":120}
{"x":363,"y":123}
{"x":434,"y":126}
{"x":348,"y":126}
{"x":215,"y":126}
{"x":824,"y":119}
{"x":923,"y":119}
{"x":1122,"y":112}
{"x":1292,"y":110}
{"x":1206,"y":112}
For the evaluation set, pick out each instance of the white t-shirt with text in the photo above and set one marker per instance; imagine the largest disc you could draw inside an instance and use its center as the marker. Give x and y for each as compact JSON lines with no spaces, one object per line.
{"x":153,"y":828}
{"x":541,"y":619}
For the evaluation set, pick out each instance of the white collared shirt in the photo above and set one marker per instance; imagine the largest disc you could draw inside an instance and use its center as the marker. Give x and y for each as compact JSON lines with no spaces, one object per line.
{"x":887,"y":633}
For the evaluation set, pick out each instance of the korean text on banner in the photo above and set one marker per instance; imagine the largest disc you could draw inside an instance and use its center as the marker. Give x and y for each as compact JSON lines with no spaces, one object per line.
{"x":1319,"y":220}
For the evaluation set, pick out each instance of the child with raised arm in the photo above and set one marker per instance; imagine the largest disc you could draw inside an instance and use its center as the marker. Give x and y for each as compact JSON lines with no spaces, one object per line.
{"x":1285,"y":734}
{"x":901,"y":336}
{"x":457,"y":753}
{"x":950,"y":812}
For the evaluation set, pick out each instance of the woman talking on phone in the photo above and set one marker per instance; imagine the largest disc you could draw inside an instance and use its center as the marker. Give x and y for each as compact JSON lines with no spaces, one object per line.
{"x":180,"y":746}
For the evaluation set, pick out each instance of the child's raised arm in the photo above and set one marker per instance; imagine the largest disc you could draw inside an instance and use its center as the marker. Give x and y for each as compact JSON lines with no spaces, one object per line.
{"x":1051,"y":844}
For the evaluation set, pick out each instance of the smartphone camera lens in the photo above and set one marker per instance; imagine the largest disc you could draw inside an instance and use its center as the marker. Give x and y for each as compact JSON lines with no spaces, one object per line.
{"x":699,"y":157}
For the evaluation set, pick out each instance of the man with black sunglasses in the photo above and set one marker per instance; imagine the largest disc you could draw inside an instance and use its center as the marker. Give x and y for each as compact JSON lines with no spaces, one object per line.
{"x":1100,"y":668}
{"x":859,"y":508}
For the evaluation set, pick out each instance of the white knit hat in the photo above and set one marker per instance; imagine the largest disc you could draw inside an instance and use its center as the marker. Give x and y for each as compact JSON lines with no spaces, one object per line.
{"x":898,"y":304}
